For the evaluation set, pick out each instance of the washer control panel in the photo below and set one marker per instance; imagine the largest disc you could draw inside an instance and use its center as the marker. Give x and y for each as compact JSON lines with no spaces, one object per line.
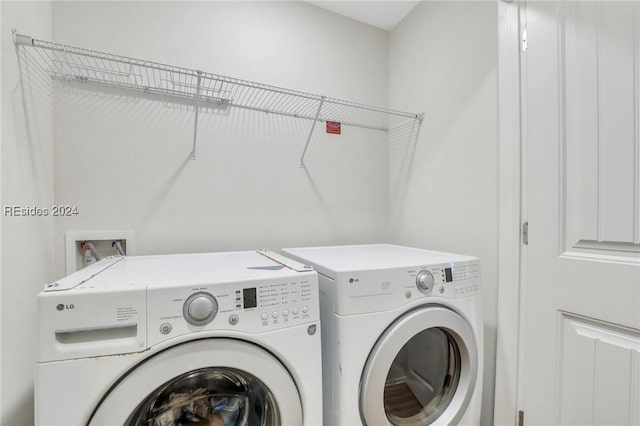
{"x":250,"y":307}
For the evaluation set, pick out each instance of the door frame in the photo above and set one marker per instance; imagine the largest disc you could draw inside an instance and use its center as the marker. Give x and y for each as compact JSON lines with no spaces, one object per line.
{"x":510,"y":212}
{"x":512,"y":113}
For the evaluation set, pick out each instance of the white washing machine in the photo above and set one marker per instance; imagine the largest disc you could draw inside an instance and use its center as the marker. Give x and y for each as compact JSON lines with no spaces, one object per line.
{"x":402,"y":335}
{"x":199,"y":339}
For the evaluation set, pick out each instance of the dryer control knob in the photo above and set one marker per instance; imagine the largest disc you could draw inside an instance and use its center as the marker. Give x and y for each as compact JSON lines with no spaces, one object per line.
{"x":200,"y":308}
{"x":424,"y":281}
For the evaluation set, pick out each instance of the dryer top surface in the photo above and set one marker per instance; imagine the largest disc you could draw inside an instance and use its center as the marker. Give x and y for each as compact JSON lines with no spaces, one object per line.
{"x":332,"y":259}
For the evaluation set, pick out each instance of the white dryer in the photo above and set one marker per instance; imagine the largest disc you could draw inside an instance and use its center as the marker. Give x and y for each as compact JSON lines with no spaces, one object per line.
{"x":206,"y":339}
{"x":402,"y":335}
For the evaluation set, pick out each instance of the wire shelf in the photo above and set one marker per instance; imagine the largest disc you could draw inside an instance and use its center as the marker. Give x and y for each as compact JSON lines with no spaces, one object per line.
{"x":131,"y":79}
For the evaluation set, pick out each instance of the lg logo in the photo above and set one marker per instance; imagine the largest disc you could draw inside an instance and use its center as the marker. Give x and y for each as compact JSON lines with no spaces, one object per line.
{"x":62,"y":307}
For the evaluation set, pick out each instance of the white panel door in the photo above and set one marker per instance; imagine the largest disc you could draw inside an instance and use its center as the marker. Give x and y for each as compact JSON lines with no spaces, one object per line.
{"x":580,"y":311}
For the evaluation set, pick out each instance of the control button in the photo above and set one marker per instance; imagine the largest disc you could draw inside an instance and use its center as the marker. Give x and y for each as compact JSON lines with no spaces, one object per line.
{"x":285,"y":313}
{"x":441,"y":290}
{"x":165,"y":328}
{"x":407,"y":294}
{"x":264,"y":316}
{"x":295,"y":311}
{"x":275,"y":314}
{"x":200,"y":308}
{"x":234,"y":319}
{"x":305,"y":309}
{"x":424,"y":282}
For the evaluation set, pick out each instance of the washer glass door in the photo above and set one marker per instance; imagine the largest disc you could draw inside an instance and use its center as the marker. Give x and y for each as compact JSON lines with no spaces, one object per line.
{"x":210,"y":396}
{"x":422,"y":370}
{"x":212,"y":382}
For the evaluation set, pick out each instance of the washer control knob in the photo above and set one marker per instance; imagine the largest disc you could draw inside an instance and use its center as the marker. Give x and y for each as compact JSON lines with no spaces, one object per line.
{"x":200,"y":308}
{"x":424,"y":281}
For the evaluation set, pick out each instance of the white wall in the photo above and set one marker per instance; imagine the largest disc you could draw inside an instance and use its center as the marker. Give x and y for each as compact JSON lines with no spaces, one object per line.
{"x":444,"y":190}
{"x":126,"y":165}
{"x":27,"y":242}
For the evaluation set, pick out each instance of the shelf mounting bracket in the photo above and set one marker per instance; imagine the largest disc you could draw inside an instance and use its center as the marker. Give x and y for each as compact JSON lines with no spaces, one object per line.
{"x":313,"y":126}
{"x":197,"y":110}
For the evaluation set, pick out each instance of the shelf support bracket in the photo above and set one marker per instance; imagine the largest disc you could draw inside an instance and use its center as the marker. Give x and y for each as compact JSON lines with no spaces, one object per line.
{"x":313,"y":126}
{"x":197,"y":110}
{"x":20,"y":39}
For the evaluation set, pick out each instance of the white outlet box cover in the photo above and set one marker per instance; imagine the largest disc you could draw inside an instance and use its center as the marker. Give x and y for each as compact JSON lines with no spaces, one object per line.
{"x":72,"y":238}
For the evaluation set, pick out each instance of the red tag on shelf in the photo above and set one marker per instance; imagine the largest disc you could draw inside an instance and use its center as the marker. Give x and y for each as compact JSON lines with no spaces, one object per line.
{"x":334,"y":127}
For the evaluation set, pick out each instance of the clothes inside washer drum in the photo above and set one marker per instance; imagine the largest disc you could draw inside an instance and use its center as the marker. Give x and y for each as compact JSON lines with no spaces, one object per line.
{"x":200,"y":408}
{"x":208,"y":397}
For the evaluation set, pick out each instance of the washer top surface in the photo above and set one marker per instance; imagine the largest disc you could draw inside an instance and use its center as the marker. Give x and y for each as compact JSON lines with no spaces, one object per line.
{"x":176,"y":269}
{"x":331,"y":259}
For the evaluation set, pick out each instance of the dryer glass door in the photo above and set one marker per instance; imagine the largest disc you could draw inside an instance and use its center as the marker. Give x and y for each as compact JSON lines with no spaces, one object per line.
{"x":422,"y":370}
{"x":422,"y":378}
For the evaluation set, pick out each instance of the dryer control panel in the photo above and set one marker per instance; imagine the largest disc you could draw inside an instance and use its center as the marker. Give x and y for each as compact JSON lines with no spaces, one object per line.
{"x":450,"y":280}
{"x":247,"y":307}
{"x":373,"y":290}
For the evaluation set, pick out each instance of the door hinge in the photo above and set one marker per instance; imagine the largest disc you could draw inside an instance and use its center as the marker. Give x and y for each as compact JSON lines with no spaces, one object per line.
{"x":520,"y":418}
{"x":524,"y":40}
{"x":525,"y":234}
